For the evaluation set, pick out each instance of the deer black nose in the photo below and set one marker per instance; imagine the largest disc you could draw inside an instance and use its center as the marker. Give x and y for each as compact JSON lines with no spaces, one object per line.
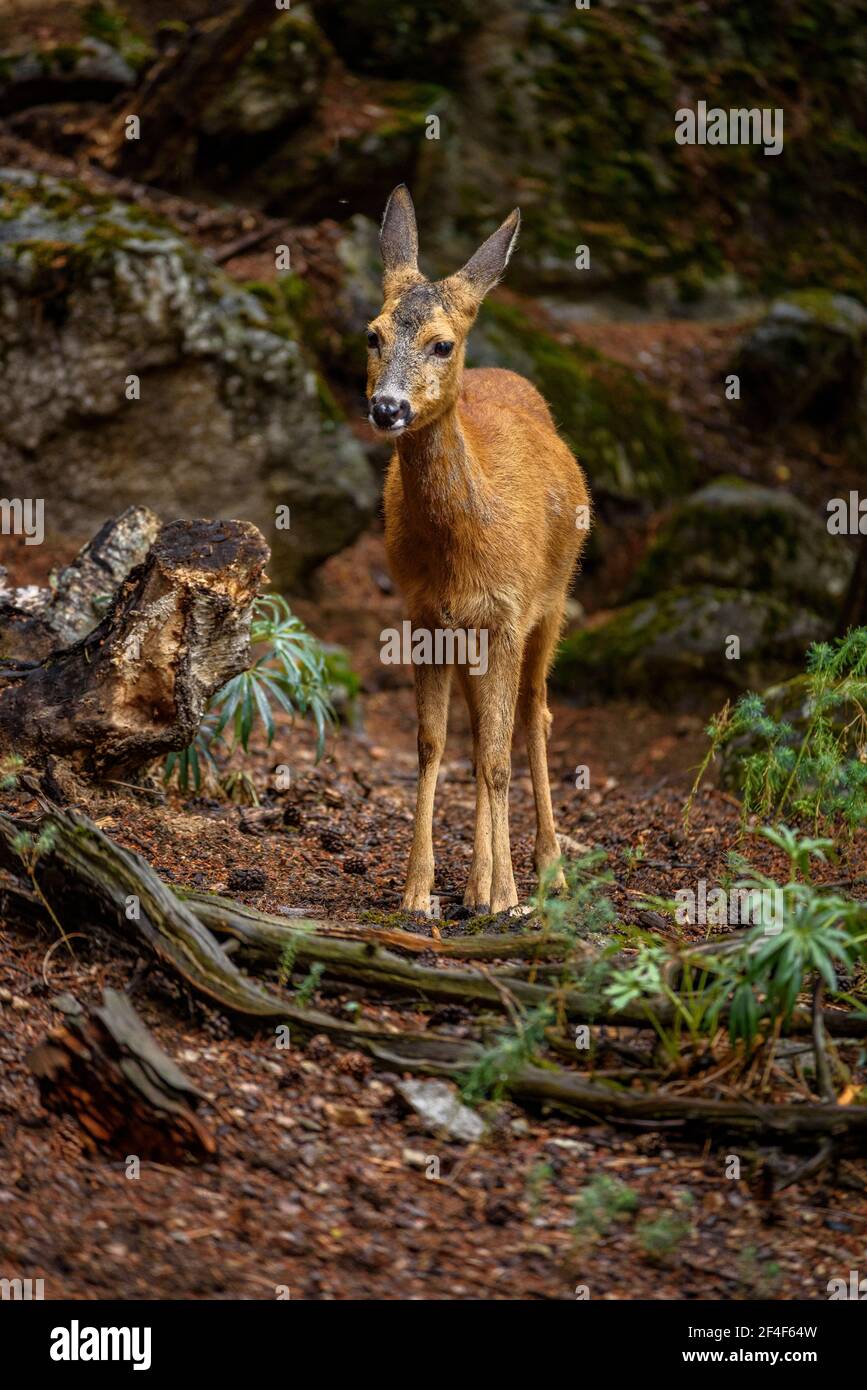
{"x":387,"y":411}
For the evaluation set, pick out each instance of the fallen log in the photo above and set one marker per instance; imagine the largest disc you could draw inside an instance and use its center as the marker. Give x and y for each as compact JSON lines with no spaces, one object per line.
{"x":86,"y":870}
{"x":128,"y":1096}
{"x":225,"y":916}
{"x":136,"y":686}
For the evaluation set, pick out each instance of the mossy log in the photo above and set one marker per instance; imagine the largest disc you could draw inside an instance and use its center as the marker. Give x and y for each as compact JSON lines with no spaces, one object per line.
{"x":136,"y":685}
{"x":264,"y":933}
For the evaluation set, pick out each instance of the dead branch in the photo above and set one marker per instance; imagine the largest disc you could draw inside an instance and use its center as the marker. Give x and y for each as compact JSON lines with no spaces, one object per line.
{"x":81,"y":871}
{"x":126,"y":1093}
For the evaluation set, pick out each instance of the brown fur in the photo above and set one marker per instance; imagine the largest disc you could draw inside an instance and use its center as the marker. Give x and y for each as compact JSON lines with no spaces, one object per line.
{"x":481,"y":502}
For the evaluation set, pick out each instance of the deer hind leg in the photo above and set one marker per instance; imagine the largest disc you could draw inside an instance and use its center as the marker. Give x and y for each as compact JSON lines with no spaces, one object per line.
{"x":536,"y":718}
{"x":497,"y":696}
{"x":432,"y":684}
{"x":478,"y":891}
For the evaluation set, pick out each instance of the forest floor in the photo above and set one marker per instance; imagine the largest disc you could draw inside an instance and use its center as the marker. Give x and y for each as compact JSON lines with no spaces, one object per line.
{"x":322,"y":1180}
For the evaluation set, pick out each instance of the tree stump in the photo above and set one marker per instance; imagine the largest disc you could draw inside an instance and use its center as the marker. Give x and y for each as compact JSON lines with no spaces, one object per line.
{"x":35,"y":621}
{"x":136,"y":686}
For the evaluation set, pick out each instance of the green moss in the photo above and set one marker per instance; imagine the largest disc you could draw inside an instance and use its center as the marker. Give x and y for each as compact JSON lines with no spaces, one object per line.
{"x":103,"y":20}
{"x":822,"y":305}
{"x":606,"y":169}
{"x":283,"y":300}
{"x":663,"y":648}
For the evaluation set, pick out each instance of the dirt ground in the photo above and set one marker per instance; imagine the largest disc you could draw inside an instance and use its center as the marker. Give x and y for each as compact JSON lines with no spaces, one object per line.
{"x":322,"y":1180}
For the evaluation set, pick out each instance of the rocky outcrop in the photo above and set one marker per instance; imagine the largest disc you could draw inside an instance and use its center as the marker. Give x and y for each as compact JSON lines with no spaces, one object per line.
{"x":737,"y":534}
{"x":133,"y":371}
{"x":676,"y":648}
{"x":805,"y":360}
{"x":625,"y":436}
{"x":86,"y":71}
{"x":276,"y":85}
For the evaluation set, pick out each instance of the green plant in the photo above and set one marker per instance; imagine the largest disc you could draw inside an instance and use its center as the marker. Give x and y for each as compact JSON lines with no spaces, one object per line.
{"x":603,"y":1203}
{"x":800,"y":935}
{"x":538,"y":1178}
{"x":808,"y":935}
{"x":820,"y":773}
{"x":293,"y":672}
{"x":759,"y":1278}
{"x":310,"y":984}
{"x":10,"y":767}
{"x":659,"y":1236}
{"x":582,"y":908}
{"x":632,"y":855}
{"x":30,"y":849}
{"x":499,"y":1064}
{"x":287,"y":961}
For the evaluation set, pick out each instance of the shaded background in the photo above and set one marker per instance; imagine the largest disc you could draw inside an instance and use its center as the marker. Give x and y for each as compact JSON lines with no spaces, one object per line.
{"x":290,"y":130}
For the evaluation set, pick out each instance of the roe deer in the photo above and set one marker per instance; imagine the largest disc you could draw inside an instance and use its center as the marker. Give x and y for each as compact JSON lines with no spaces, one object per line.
{"x":486,"y":512}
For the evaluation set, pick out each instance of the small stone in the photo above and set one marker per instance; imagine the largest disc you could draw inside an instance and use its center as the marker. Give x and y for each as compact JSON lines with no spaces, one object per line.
{"x":442,"y":1114}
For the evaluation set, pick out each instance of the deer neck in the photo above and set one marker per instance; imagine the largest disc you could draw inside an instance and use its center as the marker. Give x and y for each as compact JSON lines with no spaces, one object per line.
{"x":442,"y":481}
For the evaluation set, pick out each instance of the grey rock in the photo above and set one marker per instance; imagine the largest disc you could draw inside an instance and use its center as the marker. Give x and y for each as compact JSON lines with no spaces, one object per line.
{"x":231,"y":421}
{"x":277,"y":84}
{"x":736,"y":534}
{"x":805,"y":360}
{"x":437,"y":1106}
{"x":672,"y":647}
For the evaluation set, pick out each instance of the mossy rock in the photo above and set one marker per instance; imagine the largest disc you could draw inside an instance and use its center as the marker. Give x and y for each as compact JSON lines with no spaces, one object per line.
{"x":87,"y":71}
{"x":571,"y":114}
{"x":335,"y":314}
{"x":671,"y":649}
{"x":735,"y":533}
{"x":623,"y":433}
{"x":277,"y":84}
{"x":413,"y":38}
{"x":804,"y":361}
{"x":230,"y":417}
{"x":106,"y":22}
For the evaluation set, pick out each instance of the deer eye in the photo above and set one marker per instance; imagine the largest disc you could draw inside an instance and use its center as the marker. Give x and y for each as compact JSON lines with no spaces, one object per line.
{"x":373,"y":339}
{"x":442,"y":349}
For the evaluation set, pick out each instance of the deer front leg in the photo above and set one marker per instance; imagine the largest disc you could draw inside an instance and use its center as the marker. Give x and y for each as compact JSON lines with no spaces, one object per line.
{"x":432,"y":685}
{"x":497,"y":697}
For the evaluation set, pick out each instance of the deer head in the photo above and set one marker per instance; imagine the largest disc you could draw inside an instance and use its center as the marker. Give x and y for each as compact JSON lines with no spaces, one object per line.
{"x":416,"y":343}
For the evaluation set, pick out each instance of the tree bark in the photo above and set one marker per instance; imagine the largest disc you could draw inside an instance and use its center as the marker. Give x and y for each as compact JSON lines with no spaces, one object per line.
{"x":176,"y":93}
{"x":136,"y":686}
{"x":128,"y":1096}
{"x":35,"y":621}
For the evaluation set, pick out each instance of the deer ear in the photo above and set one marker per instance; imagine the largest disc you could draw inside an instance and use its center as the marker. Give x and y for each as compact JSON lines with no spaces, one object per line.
{"x":398,"y":238}
{"x":484,"y":269}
